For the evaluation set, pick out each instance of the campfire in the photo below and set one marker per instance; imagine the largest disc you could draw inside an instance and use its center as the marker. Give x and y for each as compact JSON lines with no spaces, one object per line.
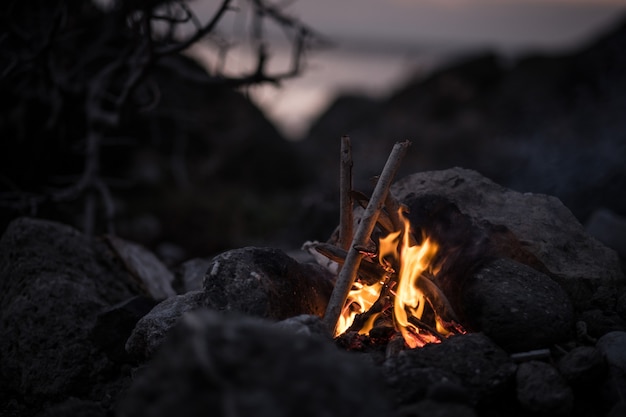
{"x":389,"y":281}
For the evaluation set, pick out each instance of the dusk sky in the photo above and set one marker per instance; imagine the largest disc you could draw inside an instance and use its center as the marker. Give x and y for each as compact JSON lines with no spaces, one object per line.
{"x":379,"y":44}
{"x":496,"y":22}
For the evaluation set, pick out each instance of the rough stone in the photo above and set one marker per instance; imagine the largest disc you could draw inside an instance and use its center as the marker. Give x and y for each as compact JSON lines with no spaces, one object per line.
{"x":534,"y":229}
{"x":304,"y":324}
{"x":266,"y":282}
{"x":601,"y":322}
{"x":482,"y":367}
{"x":412,"y":384}
{"x":219,"y":364}
{"x":150,"y":331}
{"x":516,"y":306}
{"x":541,"y":389}
{"x":190,"y":274}
{"x":613,"y":346}
{"x":152,"y":274}
{"x":583,"y":366}
{"x":54,"y":281}
{"x":115,"y":324}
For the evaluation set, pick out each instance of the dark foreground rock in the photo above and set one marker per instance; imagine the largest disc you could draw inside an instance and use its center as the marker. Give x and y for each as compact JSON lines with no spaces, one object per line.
{"x":475,"y":361}
{"x":224,"y":365}
{"x":54,"y":283}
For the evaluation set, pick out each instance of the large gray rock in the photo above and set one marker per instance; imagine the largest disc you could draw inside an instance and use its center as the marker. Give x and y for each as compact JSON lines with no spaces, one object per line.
{"x":54,"y":282}
{"x":261,"y":282}
{"x":518,"y":307}
{"x":534,"y":229}
{"x":266,"y":282}
{"x":224,"y":365}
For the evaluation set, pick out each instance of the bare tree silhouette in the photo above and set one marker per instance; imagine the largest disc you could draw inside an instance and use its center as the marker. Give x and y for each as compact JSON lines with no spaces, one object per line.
{"x":70,"y":70}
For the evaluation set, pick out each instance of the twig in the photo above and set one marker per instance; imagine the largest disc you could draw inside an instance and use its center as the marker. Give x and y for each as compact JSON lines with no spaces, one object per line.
{"x":369,"y":272}
{"x":384,"y":221}
{"x":424,"y":326}
{"x":437,"y":300}
{"x":531,"y":355}
{"x":368,"y":221}
{"x":345,"y":196}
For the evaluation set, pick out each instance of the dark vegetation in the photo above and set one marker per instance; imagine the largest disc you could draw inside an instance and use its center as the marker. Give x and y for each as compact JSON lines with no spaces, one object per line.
{"x":106,"y":125}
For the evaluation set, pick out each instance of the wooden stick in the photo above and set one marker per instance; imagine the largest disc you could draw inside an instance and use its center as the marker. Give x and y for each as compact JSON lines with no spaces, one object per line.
{"x":353,"y":259}
{"x":369,"y":272}
{"x":531,"y":355}
{"x":345,"y":196}
{"x":384,"y":220}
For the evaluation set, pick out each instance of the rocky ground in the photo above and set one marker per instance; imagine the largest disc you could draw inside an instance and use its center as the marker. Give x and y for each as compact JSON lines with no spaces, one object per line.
{"x":99,"y":326}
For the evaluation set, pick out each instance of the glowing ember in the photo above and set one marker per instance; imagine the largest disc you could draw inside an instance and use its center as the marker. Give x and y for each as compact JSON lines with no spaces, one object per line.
{"x":412,"y":260}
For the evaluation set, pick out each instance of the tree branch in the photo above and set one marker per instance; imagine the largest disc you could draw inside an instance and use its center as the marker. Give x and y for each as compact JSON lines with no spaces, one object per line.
{"x":363,"y":232}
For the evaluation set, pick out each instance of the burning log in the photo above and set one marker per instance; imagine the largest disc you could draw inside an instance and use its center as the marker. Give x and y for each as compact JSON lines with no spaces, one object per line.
{"x":382,"y":303}
{"x":348,"y":272}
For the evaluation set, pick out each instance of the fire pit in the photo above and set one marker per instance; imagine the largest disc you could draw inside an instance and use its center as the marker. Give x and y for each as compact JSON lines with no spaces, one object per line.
{"x":394,"y":283}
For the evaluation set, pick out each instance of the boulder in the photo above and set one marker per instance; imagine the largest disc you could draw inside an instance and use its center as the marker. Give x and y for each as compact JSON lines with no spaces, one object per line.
{"x":583,"y":366}
{"x":483,"y":368}
{"x":542,"y":390}
{"x":533,"y":229}
{"x":266,"y":282}
{"x":261,"y":282}
{"x":150,"y":331}
{"x":518,"y":307}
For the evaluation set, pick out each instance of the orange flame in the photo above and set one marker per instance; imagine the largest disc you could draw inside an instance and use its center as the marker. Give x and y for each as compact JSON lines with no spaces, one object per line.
{"x":414,"y":260}
{"x":409,"y":300}
{"x":359,"y":300}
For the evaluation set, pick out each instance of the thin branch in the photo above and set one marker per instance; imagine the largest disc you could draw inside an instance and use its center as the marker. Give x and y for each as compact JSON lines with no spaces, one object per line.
{"x":199,"y":34}
{"x":369,"y":272}
{"x":368,"y":221}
